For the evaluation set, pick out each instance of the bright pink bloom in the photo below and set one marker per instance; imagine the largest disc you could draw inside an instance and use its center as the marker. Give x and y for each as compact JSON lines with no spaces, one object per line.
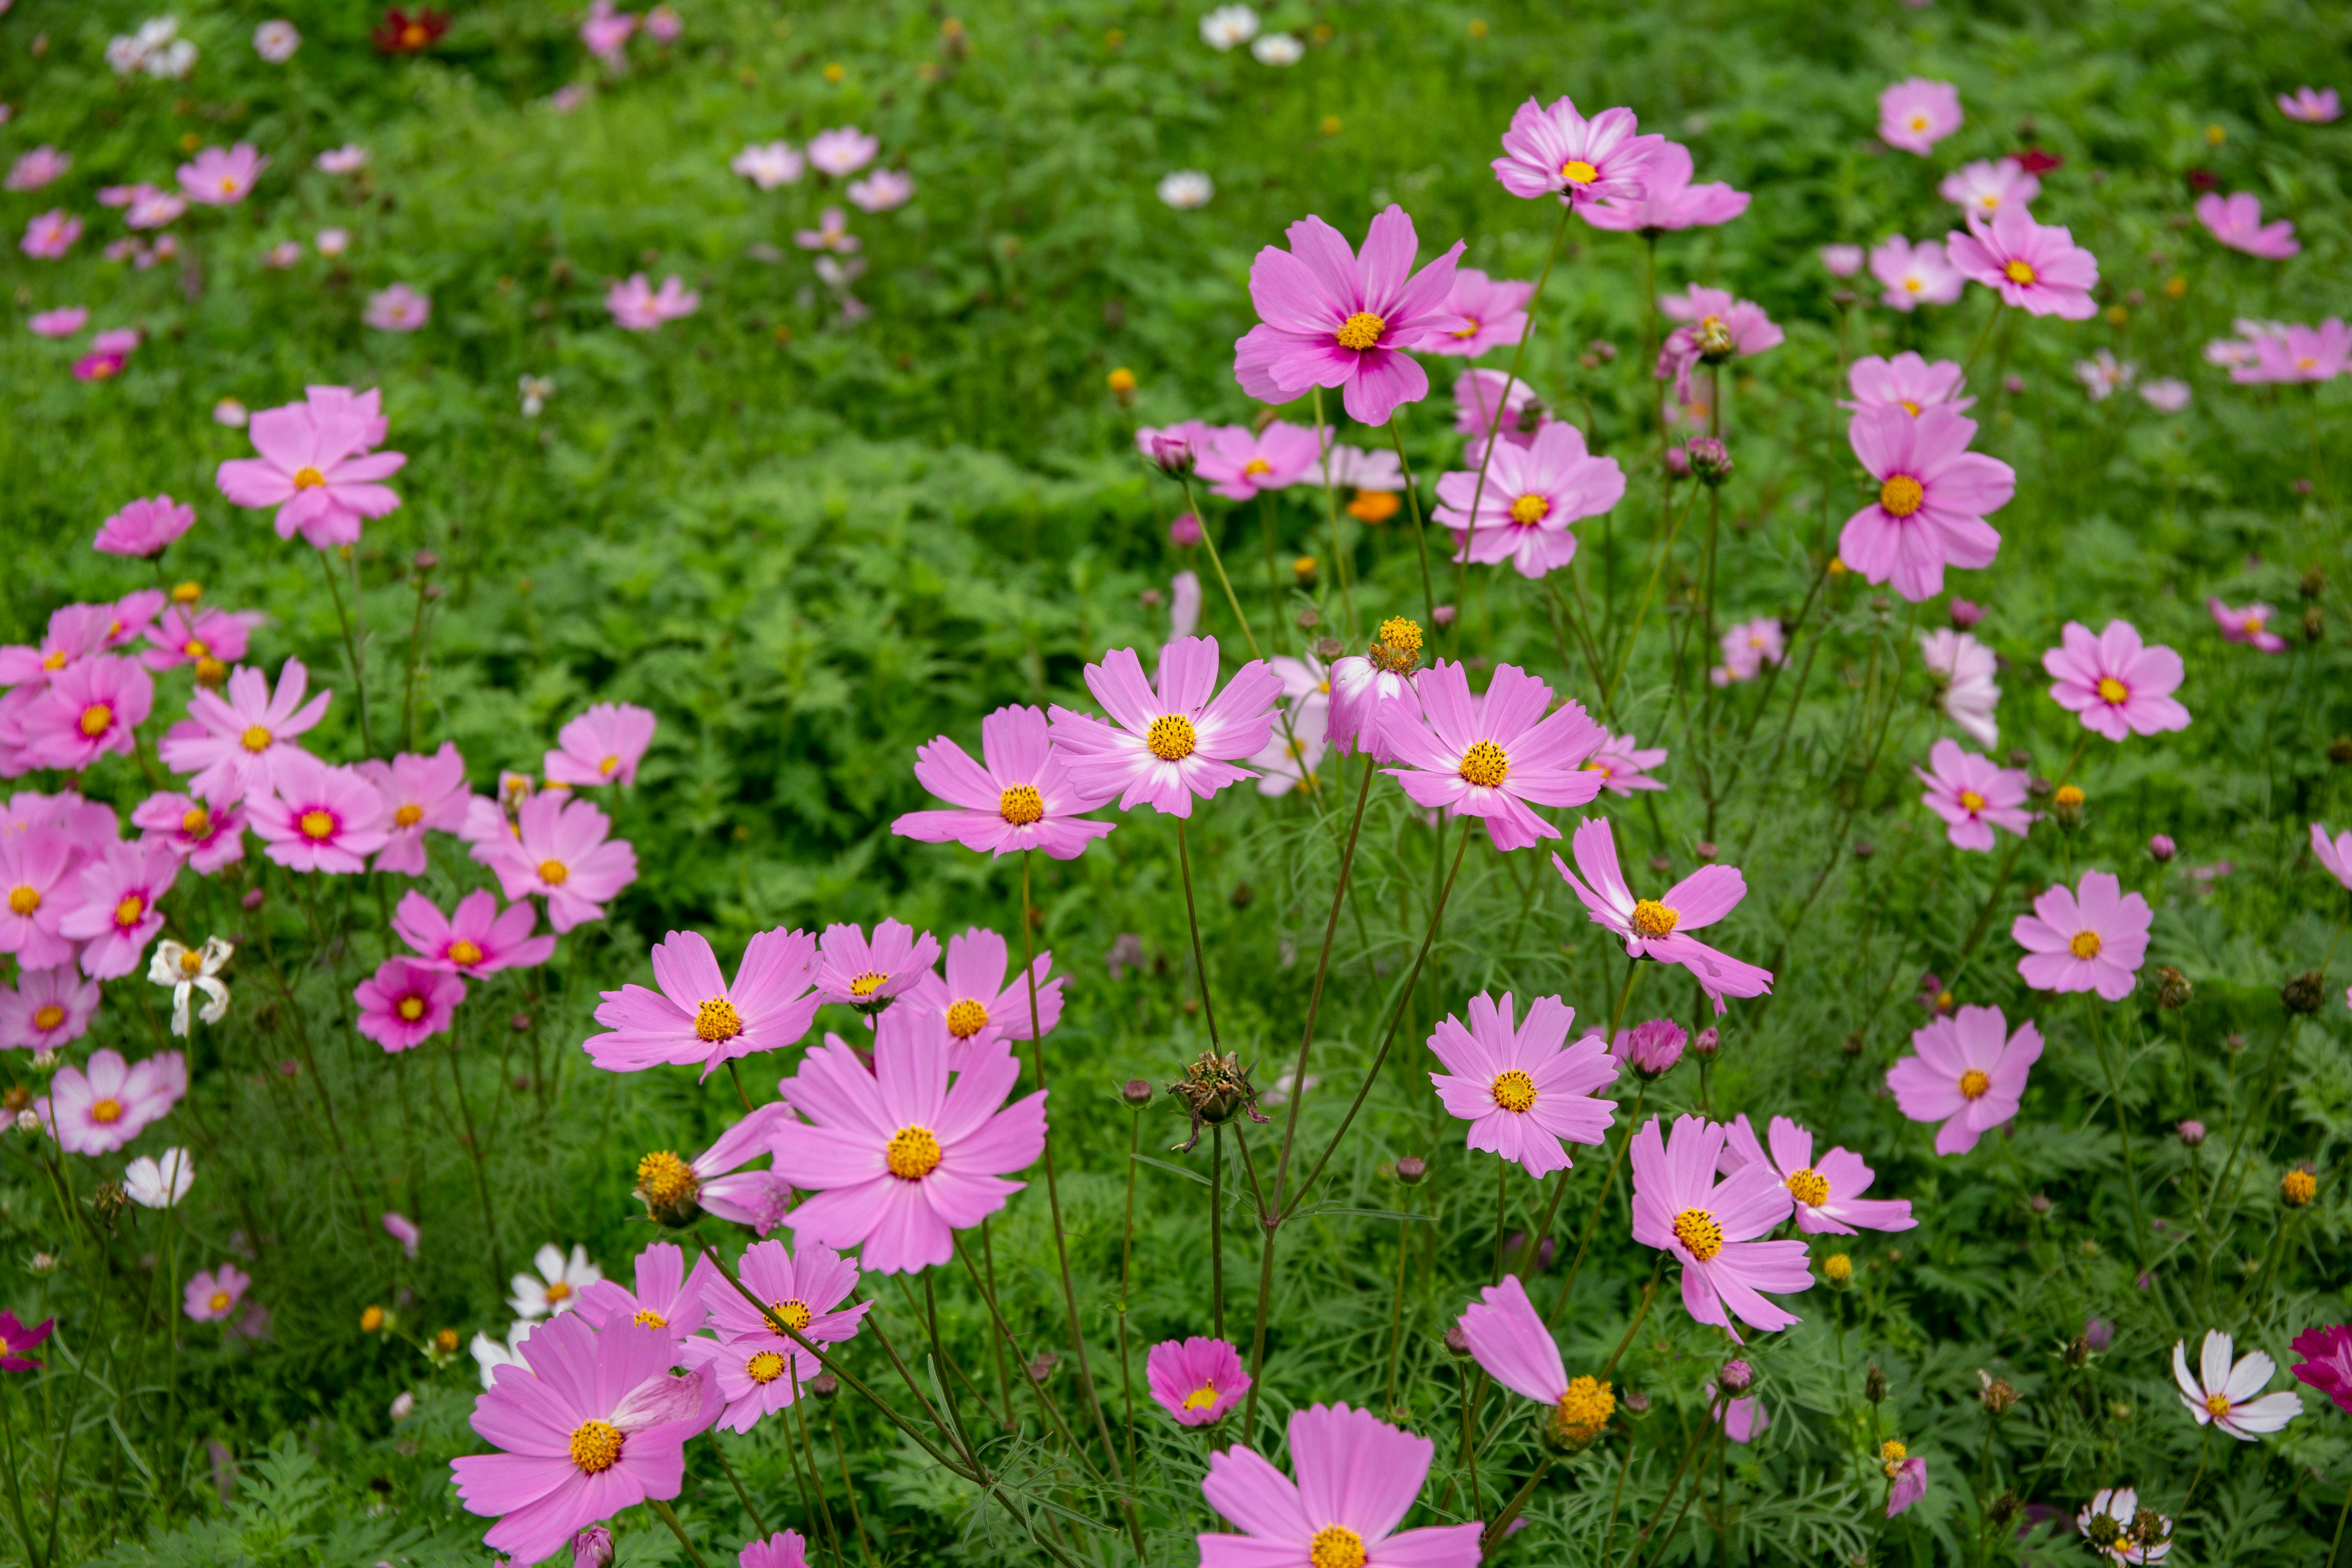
{"x":1174,"y":447}
{"x":1511,"y":1345}
{"x":419,"y":792}
{"x":1710,"y":1227}
{"x":1495,"y":756}
{"x":1361,"y":691}
{"x":1906,"y":381}
{"x":1658,"y":928}
{"x":1973,"y":796}
{"x":1933,"y":494}
{"x":590,"y":1423}
{"x":208,"y":837}
{"x":478,"y":939}
{"x":1915,"y":113}
{"x":1741,"y":1418}
{"x":1914,"y":275}
{"x":636,"y":307}
{"x":49,"y":1008}
{"x":62,"y":322}
{"x":1494,"y":312}
{"x":17,"y":1336}
{"x":1166,"y":745}
{"x":1481,"y":403}
{"x":1530,"y":496}
{"x":2092,"y":940}
{"x":235,"y":746}
{"x":1358,"y":1478}
{"x":219,"y":178}
{"x":606,"y":32}
{"x":1828,"y":1193}
{"x":1715,"y":327}
{"x":89,"y":709}
{"x":399,"y":309}
{"x":37,"y":887}
{"x":98,"y":1108}
{"x":1526,"y":1092}
{"x":2237,"y":222}
{"x":602,"y":746}
{"x":1557,"y":150}
{"x":101,"y":364}
{"x":860,"y":973}
{"x":145,"y":527}
{"x":2312,"y":106}
{"x":2119,"y":686}
{"x":74,"y":632}
{"x":1909,"y":1485}
{"x":2296,"y":353}
{"x":1651,"y":1048}
{"x":1195,"y":1380}
{"x":212,"y":1294}
{"x":1329,"y":317}
{"x":666,"y":1297}
{"x":2334,"y":856}
{"x":897,"y":1157}
{"x":115,"y":914}
{"x":1987,"y":186}
{"x":1968,"y":1072}
{"x":405,"y":1003}
{"x":562,"y":851}
{"x":48,"y":236}
{"x":38,"y":167}
{"x":785,"y":1549}
{"x":2251,"y":625}
{"x":697,"y":1019}
{"x":131,"y":616}
{"x":842,"y":151}
{"x":1624,"y":764}
{"x":1668,"y":200}
{"x":978,"y":1004}
{"x":316,"y":467}
{"x":1238,"y":462}
{"x":318,"y":817}
{"x":756,"y":1370}
{"x":2327,"y":1362}
{"x":1022,"y":799}
{"x":756,"y":1198}
{"x":2035,"y":267}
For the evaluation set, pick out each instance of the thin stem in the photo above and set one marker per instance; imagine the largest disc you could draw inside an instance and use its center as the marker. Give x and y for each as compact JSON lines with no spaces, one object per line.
{"x":1396,"y":1309}
{"x":2123,"y":1136}
{"x":2341,"y":1515}
{"x":1209,"y":538}
{"x":1502,"y":1210}
{"x":1649,"y":592}
{"x":1592,"y":1216}
{"x":737,"y":1482}
{"x":1502,"y":1524}
{"x":1193,"y":920}
{"x":816,"y":1476}
{"x":352,"y":643}
{"x":1982,"y":338}
{"x":1649,"y":1294}
{"x":1711,"y":1434}
{"x":1217,"y":1238}
{"x":1340,"y":571}
{"x":661,"y":1511}
{"x":1470,"y":1446}
{"x":1420,"y":537}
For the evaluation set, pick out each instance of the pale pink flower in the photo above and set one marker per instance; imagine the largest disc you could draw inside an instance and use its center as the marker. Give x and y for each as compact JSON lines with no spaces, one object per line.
{"x":1915,"y":113}
{"x":145,"y":527}
{"x":1196,"y":1379}
{"x":1167,"y":743}
{"x":49,"y":1008}
{"x":2036,"y":266}
{"x":605,"y":32}
{"x":1711,"y":1227}
{"x":861,"y":973}
{"x":89,"y":708}
{"x":2251,"y":625}
{"x":832,"y":233}
{"x":1841,"y":260}
{"x":1914,"y":275}
{"x":1933,"y":494}
{"x":1659,"y":928}
{"x":1481,"y":403}
{"x":1908,"y":1485}
{"x":74,"y":632}
{"x":48,"y":236}
{"x":637,"y":307}
{"x":559,"y":1285}
{"x":1493,"y":312}
{"x":1747,"y":648}
{"x":602,"y":746}
{"x":1238,"y":462}
{"x":402,"y":1229}
{"x":399,"y":309}
{"x":2119,"y":686}
{"x":39,"y":883}
{"x":62,"y":322}
{"x":1530,"y":497}
{"x":1965,"y":668}
{"x":1496,"y":756}
{"x":786,"y":1548}
{"x":756,"y":1370}
{"x":2335,"y":855}
{"x":276,"y":41}
{"x":2102,"y":373}
{"x":318,"y":817}
{"x":1557,"y":150}
{"x":332,"y":242}
{"x":1906,"y":381}
{"x":1828,"y":1193}
{"x":98,"y":1108}
{"x":2297,"y":353}
{"x":203,"y":637}
{"x":663,"y":25}
{"x":2237,"y":222}
{"x":147,"y":206}
{"x":234,"y":744}
{"x":1983,"y":188}
{"x":318,"y":466}
{"x":1360,"y":468}
{"x":1362,"y":686}
{"x":842,"y":151}
{"x":770,"y":165}
{"x":1525,"y":1091}
{"x":348,"y":159}
{"x":2166,"y":393}
{"x":404,"y":1002}
{"x":697,"y":1019}
{"x":1022,"y":799}
{"x":1668,"y":201}
{"x":34,"y":169}
{"x":1358,"y":1478}
{"x":208,"y":837}
{"x":419,"y":792}
{"x":562,"y":851}
{"x":2093,"y":941}
{"x":2313,"y":106}
{"x":1624,"y":764}
{"x":881,"y":191}
{"x":218,"y":177}
{"x":478,"y":938}
{"x":667,"y":1296}
{"x":2230,"y":1397}
{"x":212,"y":1294}
{"x":1973,"y":796}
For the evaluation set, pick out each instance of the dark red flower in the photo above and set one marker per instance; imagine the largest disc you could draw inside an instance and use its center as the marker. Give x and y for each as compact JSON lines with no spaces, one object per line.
{"x":2203,"y":179}
{"x":15,"y":1337}
{"x":2034,"y":160}
{"x":410,"y":32}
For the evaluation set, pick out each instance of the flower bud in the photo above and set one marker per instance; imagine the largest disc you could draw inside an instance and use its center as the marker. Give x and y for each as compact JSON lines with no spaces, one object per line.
{"x":1853,"y":1045}
{"x":1443,"y":614}
{"x":1677,"y":463}
{"x":2192,"y":1132}
{"x":593,"y":1548}
{"x":2172,"y":988}
{"x":404,"y":1404}
{"x":1705,"y":850}
{"x":2014,"y":385}
{"x":1185,"y":530}
{"x":2098,"y":1334}
{"x":2005,"y":1511}
{"x":1874,"y":1385}
{"x":2315,"y":624}
{"x":1411,"y":1169}
{"x":1965,"y":613}
{"x":2039,"y":1203}
{"x":1603,"y":350}
{"x":1735,"y":1377}
{"x":1715,"y":340}
{"x":1458,"y":1343}
{"x":2161,"y":848}
{"x":1838,"y":1269}
{"x":2066,"y":805}
{"x":825,"y":1385}
{"x":1302,"y":571}
{"x":252,"y":898}
{"x":425,"y":561}
{"x":671,"y":1189}
{"x":29,"y":1122}
{"x":1636,"y":1402}
{"x":44,"y":1263}
{"x":1707,"y":1042}
{"x":520,"y":1023}
{"x":1137,"y":1093}
{"x":2304,"y":994}
{"x":1041,"y":1365}
{"x":2296,"y":1188}
{"x":445,"y":1342}
{"x":1710,"y":459}
{"x":1650,"y":1049}
{"x":372,"y":1320}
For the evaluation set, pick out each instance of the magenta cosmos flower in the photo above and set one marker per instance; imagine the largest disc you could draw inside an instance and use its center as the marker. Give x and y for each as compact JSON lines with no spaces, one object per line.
{"x":1558,"y":150}
{"x":418,"y":793}
{"x":89,"y":708}
{"x":48,"y":236}
{"x":562,"y":851}
{"x":1906,"y":1481}
{"x":1493,"y":310}
{"x":37,"y":886}
{"x":1329,"y":316}
{"x":212,"y":1294}
{"x":16,"y":1337}
{"x":2327,"y":1362}
{"x":1828,"y":1193}
{"x":1668,"y":200}
{"x":1238,"y":462}
{"x":589,"y":1424}
{"x":1531,"y":496}
{"x":1973,"y":795}
{"x":637,"y":307}
{"x":602,"y":746}
{"x":1624,"y":764}
{"x":477,"y":939}
{"x":897,"y":1158}
{"x":667,"y":1296}
{"x":2119,"y":686}
{"x":206,"y":838}
{"x":220,"y":177}
{"x":697,"y":1019}
{"x":1358,"y":1478}
{"x":1022,"y":799}
{"x":1486,"y":402}
{"x":862,"y":973}
{"x":49,"y":1008}
{"x":1968,"y":1071}
{"x":977,"y":1005}
{"x":1987,"y":186}
{"x":1915,"y":113}
{"x":1659,"y":928}
{"x":1166,"y":745}
{"x":2251,"y":625}
{"x":1906,"y":381}
{"x":318,"y":818}
{"x":2036,"y":266}
{"x":316,"y":467}
{"x":210,"y":639}
{"x":1710,"y":1226}
{"x":756,"y":1370}
{"x":2313,"y":106}
{"x":2237,"y":222}
{"x":2230,"y":1397}
{"x":405,"y":1003}
{"x":145,"y":527}
{"x":399,"y":309}
{"x":2093,"y":941}
{"x":115,"y":915}
{"x":1715,"y":327}
{"x":1933,"y":494}
{"x":1525,"y":1092}
{"x":1196,"y":1379}
{"x":1496,"y":756}
{"x":98,"y":1108}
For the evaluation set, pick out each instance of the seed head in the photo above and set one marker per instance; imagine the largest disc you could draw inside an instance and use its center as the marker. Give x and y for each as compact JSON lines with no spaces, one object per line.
{"x":1874,"y":1385}
{"x":2172,"y":988}
{"x":2304,"y":994}
{"x":1997,"y":1392}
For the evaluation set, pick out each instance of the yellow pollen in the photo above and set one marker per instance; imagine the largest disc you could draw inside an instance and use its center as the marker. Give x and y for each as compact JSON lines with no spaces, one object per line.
{"x":2112,"y":690}
{"x":1335,"y":1546}
{"x":1530,"y":509}
{"x":24,"y":901}
{"x":2084,"y":944}
{"x":967,"y":1017}
{"x":464,"y":952}
{"x":308,"y":478}
{"x":1469,"y":331}
{"x":597,"y":1446}
{"x":558,"y":1291}
{"x":1696,"y":1230}
{"x":195,"y":822}
{"x":2068,"y":795}
{"x":647,"y":1318}
{"x":95,"y":718}
{"x":1486,"y":765}
{"x":1651,"y":917}
{"x":2017,"y":272}
{"x":107,"y":1110}
{"x":867,"y":983}
{"x":2297,"y":1188}
{"x":48,"y":1017}
{"x":210,"y":670}
{"x":411,"y":1008}
{"x":218,"y":1302}
{"x":408,"y":815}
{"x":1172,"y":738}
{"x":1809,"y":1187}
{"x":1971,"y":801}
{"x":256,"y":739}
{"x":128,"y":913}
{"x":913,"y":1153}
{"x":717,"y":1020}
{"x":1579,"y":171}
{"x":1912,"y":286}
{"x":2217,"y":1405}
{"x":1515,"y":1091}
{"x":1902,"y":495}
{"x":1891,"y":1455}
{"x":1910,"y":408}
{"x":1918,"y":123}
{"x":1583,"y":1410}
{"x":1361,"y":330}
{"x":793,"y":1314}
{"x":608,"y":765}
{"x":1202,"y":1397}
{"x":554,"y":873}
{"x":316,"y":825}
{"x":1974,"y":1083}
{"x":1838,"y":1267}
{"x":1401,"y":635}
{"x":665,"y":1180}
{"x":186,"y":593}
{"x":1020,"y":805}
{"x":55,"y":661}
{"x":1258,"y":466}
{"x":192,"y":960}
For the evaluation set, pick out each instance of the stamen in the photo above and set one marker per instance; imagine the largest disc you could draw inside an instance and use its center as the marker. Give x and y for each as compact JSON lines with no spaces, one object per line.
{"x":317,"y":825}
{"x":1202,"y":1397}
{"x":2017,"y":272}
{"x":2084,"y":944}
{"x":1975,"y":1083}
{"x":1361,"y":330}
{"x":1486,"y":765}
{"x":195,"y":822}
{"x":647,"y":1318}
{"x":1172,"y":738}
{"x":107,"y":1110}
{"x":554,"y":873}
{"x":408,"y":815}
{"x":1654,"y":918}
{"x":1335,"y":1546}
{"x":1515,"y":1091}
{"x":1809,"y":1187}
{"x":256,"y":739}
{"x":24,"y":901}
{"x":307,"y":477}
{"x":463,"y":953}
{"x":1530,"y":509}
{"x":597,"y":1446}
{"x":793,"y":1314}
{"x":1698,"y":1232}
{"x":1971,"y":801}
{"x":410,"y":1008}
{"x":95,"y":719}
{"x":2217,"y":1405}
{"x":49,"y":1016}
{"x":716,"y":1020}
{"x":2113,"y":690}
{"x":967,"y":1017}
{"x":1902,"y":495}
{"x":128,"y":913}
{"x":913,"y":1153}
{"x":1576,"y":170}
{"x":1020,"y":805}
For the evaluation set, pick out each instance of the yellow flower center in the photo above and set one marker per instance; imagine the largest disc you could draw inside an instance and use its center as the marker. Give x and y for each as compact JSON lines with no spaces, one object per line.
{"x":219,"y":1300}
{"x":1171,"y":737}
{"x":647,"y":1318}
{"x":1335,"y":1546}
{"x":186,"y":593}
{"x":1971,"y":801}
{"x":597,"y":1446}
{"x":558,"y":1291}
{"x":128,"y":913}
{"x":1202,"y":1397}
{"x":1696,"y":1230}
{"x":1902,"y":495}
{"x":2255,"y":623}
{"x":408,"y":815}
{"x":2112,"y":690}
{"x":24,"y":901}
{"x":210,"y":670}
{"x":1578,"y":172}
{"x":2217,"y":1405}
{"x":1361,"y":330}
{"x":1020,"y":805}
{"x":2017,"y":272}
{"x":793,"y":1314}
{"x":608,"y":765}
{"x":1515,"y":1091}
{"x":1583,"y":1410}
{"x":967,"y":1017}
{"x":913,"y":1153}
{"x":1974,"y":1083}
{"x":411,"y":1008}
{"x":717,"y":1020}
{"x":55,"y":661}
{"x":317,"y":825}
{"x":1809,"y":1187}
{"x":1891,"y":1455}
{"x":49,"y":1016}
{"x":1374,"y":506}
{"x":554,"y":873}
{"x":415,"y":37}
{"x":1990,"y":200}
{"x":2084,"y":944}
{"x":665,"y":1180}
{"x":1469,"y":331}
{"x":1651,"y":917}
{"x":192,"y":960}
{"x":307,"y":477}
{"x":195,"y":822}
{"x":256,"y":739}
{"x":1256,"y":466}
{"x":1486,"y":765}
{"x":2298,"y":1188}
{"x":1401,"y":635}
{"x":464,"y":952}
{"x":868,"y":983}
{"x":107,"y":1110}
{"x":95,"y":718}
{"x":1530,"y":509}
{"x":1918,"y":123}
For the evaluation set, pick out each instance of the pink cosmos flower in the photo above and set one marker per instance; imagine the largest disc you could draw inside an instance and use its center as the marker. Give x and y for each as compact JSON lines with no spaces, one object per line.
{"x":1715,"y":327}
{"x":1983,"y":188}
{"x":842,"y":151}
{"x":1915,"y":113}
{"x":1908,"y":1485}
{"x":143,"y":527}
{"x":2119,"y":1506}
{"x":830,"y":234}
{"x":1525,"y":1092}
{"x":1493,"y":312}
{"x":2092,"y":940}
{"x":756,"y":1370}
{"x":606,"y":31}
{"x":218,"y":178}
{"x":1168,"y":744}
{"x":1511,"y":1345}
{"x":1841,"y":260}
{"x":2250,"y":626}
{"x":316,"y":467}
{"x":1933,"y":494}
{"x":2297,"y":353}
{"x":1742,"y":1419}
{"x":881,"y":191}
{"x":144,"y":206}
{"x":49,"y":1008}
{"x":1484,"y":399}
{"x":1022,"y":799}
{"x":2117,"y":684}
{"x":405,"y":1003}
{"x":1973,"y":796}
{"x":2035,"y":267}
{"x":34,"y":169}
{"x":1362,"y":686}
{"x":1968,"y":1072}
{"x":666,"y":1297}
{"x":602,"y":746}
{"x":1330,"y":317}
{"x":478,"y":939}
{"x":1747,"y":648}
{"x":2327,"y":1362}
{"x":1624,"y":764}
{"x":61,"y":323}
{"x":1358,"y":1478}
{"x":589,"y":1424}
{"x":318,"y":817}
{"x":1239,"y":462}
{"x":1293,"y":755}
{"x":637,"y":308}
{"x":2166,"y":393}
{"x":2237,"y":222}
{"x":697,"y":1019}
{"x":769,"y":165}
{"x":1658,"y":928}
{"x":1966,"y":668}
{"x":1828,"y":1195}
{"x":1710,"y":1227}
{"x":37,"y":886}
{"x":1530,"y":496}
{"x":236,"y":745}
{"x":2102,"y":373}
{"x":1557,"y":150}
{"x":897,"y":1157}
{"x":99,"y":1108}
{"x":2313,"y":106}
{"x":115,"y":914}
{"x":978,"y":1004}
{"x":1906,"y":381}
{"x":561,"y":851}
{"x":785,"y":1549}
{"x":211,"y":1295}
{"x":89,"y":708}
{"x":1914,"y":275}
{"x":2230,"y":1397}
{"x":101,"y":364}
{"x":402,"y":1229}
{"x":348,"y":159}
{"x":208,"y":837}
{"x":1495,"y":756}
{"x":756,"y":1198}
{"x":131,"y":616}
{"x":74,"y":632}
{"x":1668,"y":201}
{"x":399,"y":309}
{"x":48,"y":236}
{"x":2334,"y":856}
{"x":419,"y":792}
{"x":1195,"y":1380}
{"x":863,"y":975}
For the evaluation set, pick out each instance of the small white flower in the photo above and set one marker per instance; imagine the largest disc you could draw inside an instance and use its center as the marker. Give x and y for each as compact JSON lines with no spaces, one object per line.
{"x":159,"y":1183}
{"x":770,"y":165}
{"x":1186,"y":189}
{"x":2230,"y":1397}
{"x":173,"y":61}
{"x":404,"y":1404}
{"x":28,"y":1121}
{"x":557,"y":1289}
{"x":536,"y":389}
{"x":491,"y":1354}
{"x":46,"y":1061}
{"x":1967,"y":670}
{"x":1227,"y":27}
{"x":188,"y":969}
{"x":276,"y":41}
{"x":1279,"y":50}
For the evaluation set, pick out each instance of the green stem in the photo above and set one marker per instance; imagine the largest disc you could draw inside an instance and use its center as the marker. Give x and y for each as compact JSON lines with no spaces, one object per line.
{"x":351,"y":645}
{"x":1419,"y":536}
{"x":1340,"y":573}
{"x":661,"y":1511}
{"x":1209,"y":539}
{"x":1495,"y":1532}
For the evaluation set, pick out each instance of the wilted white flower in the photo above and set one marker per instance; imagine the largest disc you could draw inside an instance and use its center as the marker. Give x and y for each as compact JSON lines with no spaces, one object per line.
{"x":44,"y":1262}
{"x":1186,"y":188}
{"x":188,"y":969}
{"x":276,"y":41}
{"x":28,"y":1121}
{"x":46,"y":1061}
{"x":536,"y":389}
{"x":1227,"y":27}
{"x":1279,"y":50}
{"x":155,"y":49}
{"x":153,"y":1183}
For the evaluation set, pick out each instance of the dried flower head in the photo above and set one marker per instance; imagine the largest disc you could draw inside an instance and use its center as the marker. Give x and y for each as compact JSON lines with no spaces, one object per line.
{"x":1214,"y":1090}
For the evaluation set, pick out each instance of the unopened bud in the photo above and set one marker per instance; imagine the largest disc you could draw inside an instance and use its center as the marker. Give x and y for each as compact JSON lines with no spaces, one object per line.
{"x":1965,"y":613}
{"x":1443,"y":615}
{"x":2161,"y":848}
{"x":1852,"y":1045}
{"x":1874,"y":1385}
{"x":593,"y":1548}
{"x":520,"y":1023}
{"x":2066,"y":805}
{"x":1185,"y":530}
{"x":2192,"y":1132}
{"x":1677,"y":463}
{"x":1136,"y":1092}
{"x":1736,"y":1378}
{"x":1707,"y":1042}
{"x":1458,"y":1343}
{"x":1710,"y":459}
{"x":825,"y":1385}
{"x":1838,"y":1269}
{"x":252,"y":898}
{"x":2304,"y":994}
{"x":2039,"y":1203}
{"x":1411,"y":1169}
{"x":425,"y":561}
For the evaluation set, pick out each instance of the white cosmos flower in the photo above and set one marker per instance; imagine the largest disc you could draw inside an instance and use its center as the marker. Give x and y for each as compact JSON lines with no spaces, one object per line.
{"x":1228,"y":25}
{"x":558,"y":1286}
{"x":159,"y":1183}
{"x":188,"y":969}
{"x":1186,"y":189}
{"x":276,"y":41}
{"x":1966,"y":668}
{"x":2230,"y":1397}
{"x":492,"y":1355}
{"x":1279,"y":50}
